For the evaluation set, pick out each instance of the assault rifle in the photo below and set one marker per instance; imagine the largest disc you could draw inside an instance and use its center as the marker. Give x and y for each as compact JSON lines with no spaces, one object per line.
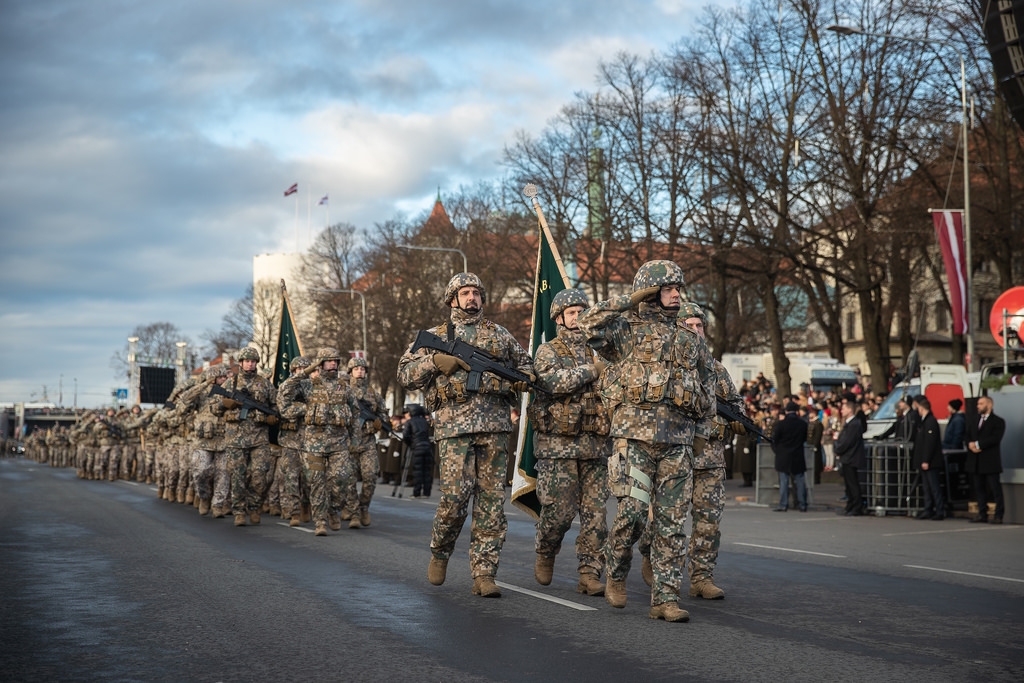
{"x":479,"y":360}
{"x":367,"y":414}
{"x":245,"y":399}
{"x":732,"y":415}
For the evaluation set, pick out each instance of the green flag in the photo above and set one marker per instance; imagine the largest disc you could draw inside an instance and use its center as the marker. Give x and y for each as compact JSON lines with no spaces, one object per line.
{"x":550,"y":279}
{"x":288,"y":344}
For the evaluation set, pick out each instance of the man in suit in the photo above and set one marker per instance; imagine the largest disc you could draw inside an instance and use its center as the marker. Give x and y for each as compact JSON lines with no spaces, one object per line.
{"x":927,"y":457}
{"x":984,"y":460}
{"x":788,"y":439}
{"x":849,"y":448}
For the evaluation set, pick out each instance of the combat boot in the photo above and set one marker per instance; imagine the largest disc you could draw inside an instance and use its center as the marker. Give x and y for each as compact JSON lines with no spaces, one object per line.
{"x":275,"y":511}
{"x":218,"y":511}
{"x":589,"y":584}
{"x":296,"y":519}
{"x":160,"y":492}
{"x":353,"y":523}
{"x":180,"y":497}
{"x":436,"y":571}
{"x":333,"y":521}
{"x":543,"y":569}
{"x":615,"y":593}
{"x":204,"y":507}
{"x":345,"y":515}
{"x":705,"y":588}
{"x":190,"y":497}
{"x":364,"y":516}
{"x":647,"y":571}
{"x":669,"y":611}
{"x":254,"y":517}
{"x":307,"y":514}
{"x":321,"y":529}
{"x":485,"y":587}
{"x":239,"y":519}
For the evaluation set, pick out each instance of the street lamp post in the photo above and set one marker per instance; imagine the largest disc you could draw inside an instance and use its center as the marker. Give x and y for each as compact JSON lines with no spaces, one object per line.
{"x":465,"y":263}
{"x":856,"y":30}
{"x":363,"y":301}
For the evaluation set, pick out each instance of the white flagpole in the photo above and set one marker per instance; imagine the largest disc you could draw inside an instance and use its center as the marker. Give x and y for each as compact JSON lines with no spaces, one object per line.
{"x":309,"y":215}
{"x":296,"y":221}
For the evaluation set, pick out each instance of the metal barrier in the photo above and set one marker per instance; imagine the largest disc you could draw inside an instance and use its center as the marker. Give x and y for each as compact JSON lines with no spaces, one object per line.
{"x":890,"y":484}
{"x":766,"y":482}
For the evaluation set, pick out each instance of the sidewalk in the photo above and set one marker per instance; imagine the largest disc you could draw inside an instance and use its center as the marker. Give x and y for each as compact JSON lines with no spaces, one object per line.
{"x":824,"y":496}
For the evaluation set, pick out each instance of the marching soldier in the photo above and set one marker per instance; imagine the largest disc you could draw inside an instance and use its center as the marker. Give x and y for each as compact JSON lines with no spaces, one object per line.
{"x":572,"y":447}
{"x":207,"y":436}
{"x":472,"y":429}
{"x":247,"y":439}
{"x":289,"y":436}
{"x":661,"y":384}
{"x":363,"y":450}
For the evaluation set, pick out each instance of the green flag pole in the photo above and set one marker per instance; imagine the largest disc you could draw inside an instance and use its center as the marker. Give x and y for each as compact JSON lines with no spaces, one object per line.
{"x":549,"y":280}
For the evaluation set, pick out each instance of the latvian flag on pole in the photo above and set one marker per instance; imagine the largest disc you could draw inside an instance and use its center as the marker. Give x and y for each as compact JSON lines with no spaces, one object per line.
{"x":949,"y":228}
{"x":322,"y":201}
{"x":292,"y":190}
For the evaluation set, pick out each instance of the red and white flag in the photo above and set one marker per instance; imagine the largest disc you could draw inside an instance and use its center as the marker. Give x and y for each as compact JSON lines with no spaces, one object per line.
{"x":949,"y":228}
{"x":322,"y":201}
{"x":292,"y":190}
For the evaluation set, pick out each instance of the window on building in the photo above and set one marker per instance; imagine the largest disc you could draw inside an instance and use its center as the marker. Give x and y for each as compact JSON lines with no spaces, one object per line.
{"x":941,"y":319}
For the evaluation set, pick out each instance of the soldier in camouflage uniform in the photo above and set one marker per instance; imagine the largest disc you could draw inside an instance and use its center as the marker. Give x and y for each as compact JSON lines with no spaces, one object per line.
{"x":571,"y":445}
{"x":472,"y":430}
{"x":207,"y":435}
{"x":708,"y":497}
{"x":363,"y":449}
{"x":660,"y":385}
{"x":247,"y":438}
{"x":289,"y":437}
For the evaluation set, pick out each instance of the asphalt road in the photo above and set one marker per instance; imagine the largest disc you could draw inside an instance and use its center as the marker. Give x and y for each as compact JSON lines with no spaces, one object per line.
{"x":102,"y":581}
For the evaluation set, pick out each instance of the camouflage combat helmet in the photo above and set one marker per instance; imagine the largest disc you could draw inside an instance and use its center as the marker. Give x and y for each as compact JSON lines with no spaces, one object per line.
{"x":461,"y":280}
{"x":249,"y":353}
{"x":298,"y":363}
{"x":691,"y":310}
{"x":566,"y":299}
{"x":216,"y":371}
{"x":327,"y":353}
{"x":356,"y":363}
{"x":658,"y":274}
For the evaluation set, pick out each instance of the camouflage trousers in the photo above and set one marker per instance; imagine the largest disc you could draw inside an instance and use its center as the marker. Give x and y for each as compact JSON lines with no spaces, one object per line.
{"x":221,"y":481}
{"x":668,"y":468}
{"x":105,"y":464}
{"x":472,"y":466}
{"x":328,"y":475}
{"x":567,"y":487}
{"x":290,"y":482}
{"x":202,"y":471}
{"x":366,"y":465}
{"x":248,"y":469}
{"x":183,"y":456}
{"x":81,"y":460}
{"x":706,"y":506}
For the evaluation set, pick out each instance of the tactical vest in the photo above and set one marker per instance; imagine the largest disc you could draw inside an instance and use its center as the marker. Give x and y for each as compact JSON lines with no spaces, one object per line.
{"x":577,"y":413}
{"x":452,"y":388}
{"x":327,"y":404}
{"x":659,"y":368}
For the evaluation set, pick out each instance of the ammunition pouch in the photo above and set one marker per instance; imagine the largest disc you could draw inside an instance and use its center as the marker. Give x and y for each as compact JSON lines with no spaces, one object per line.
{"x":314,"y":463}
{"x":327,"y":415}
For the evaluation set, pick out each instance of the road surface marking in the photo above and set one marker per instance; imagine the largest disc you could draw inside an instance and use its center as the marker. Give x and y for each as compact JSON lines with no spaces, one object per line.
{"x":549,"y":598}
{"x":951,"y":571}
{"x":308,"y":531}
{"x":955,"y":531}
{"x":788,"y":550}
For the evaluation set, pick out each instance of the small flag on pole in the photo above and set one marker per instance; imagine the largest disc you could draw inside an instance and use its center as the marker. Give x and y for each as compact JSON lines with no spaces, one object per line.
{"x":322,"y":201}
{"x":292,"y":190}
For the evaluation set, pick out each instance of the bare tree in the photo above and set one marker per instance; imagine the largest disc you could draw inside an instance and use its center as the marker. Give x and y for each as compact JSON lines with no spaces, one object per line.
{"x":157,"y":345}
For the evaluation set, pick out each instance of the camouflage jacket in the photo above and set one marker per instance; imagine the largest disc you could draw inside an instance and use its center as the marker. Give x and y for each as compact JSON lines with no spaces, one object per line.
{"x":457,"y":410}
{"x":247,"y":427}
{"x":364,"y":435}
{"x":330,"y":415}
{"x":571,"y":422}
{"x":207,"y":425}
{"x":716,"y":429}
{"x":107,"y":431}
{"x":661,"y":380}
{"x":291,"y":402}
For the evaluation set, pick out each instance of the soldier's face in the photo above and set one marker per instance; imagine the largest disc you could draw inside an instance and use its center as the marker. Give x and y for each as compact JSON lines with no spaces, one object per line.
{"x":248,"y":365}
{"x":670,"y":296}
{"x":359,"y":372}
{"x":571,"y":316}
{"x":329,"y":365}
{"x":697,"y":325}
{"x":468,"y":299}
{"x":220,"y":380}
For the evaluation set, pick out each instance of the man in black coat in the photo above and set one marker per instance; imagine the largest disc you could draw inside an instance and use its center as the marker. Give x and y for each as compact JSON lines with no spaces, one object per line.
{"x":984,"y":460}
{"x":849,"y":448}
{"x":788,"y":439}
{"x":927,"y":458}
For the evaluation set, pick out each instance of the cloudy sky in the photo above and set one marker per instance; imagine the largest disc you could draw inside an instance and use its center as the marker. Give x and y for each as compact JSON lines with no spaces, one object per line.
{"x":145,"y":146}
